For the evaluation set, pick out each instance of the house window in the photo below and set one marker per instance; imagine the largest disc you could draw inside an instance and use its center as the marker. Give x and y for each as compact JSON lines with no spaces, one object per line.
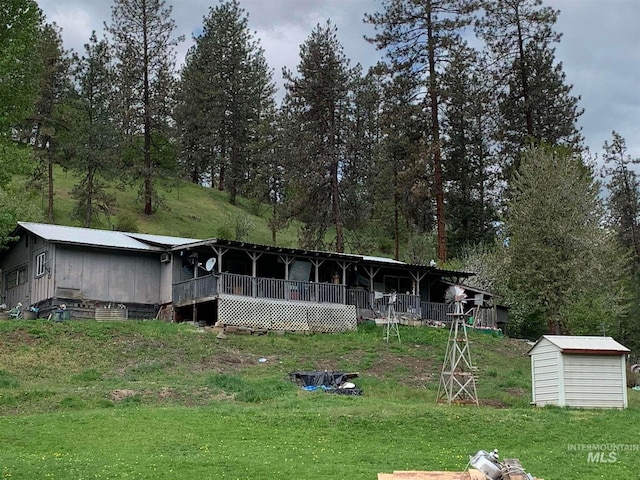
{"x":17,"y":277}
{"x":40,"y":264}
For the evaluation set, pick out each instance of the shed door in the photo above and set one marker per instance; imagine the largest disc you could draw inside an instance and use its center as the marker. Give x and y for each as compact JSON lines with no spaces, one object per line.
{"x":594,"y":381}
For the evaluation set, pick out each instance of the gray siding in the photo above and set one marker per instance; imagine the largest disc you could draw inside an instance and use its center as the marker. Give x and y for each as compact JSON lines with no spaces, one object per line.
{"x":17,"y":257}
{"x":166,"y":282}
{"x":545,"y":359}
{"x":107,"y":275}
{"x":594,"y":381}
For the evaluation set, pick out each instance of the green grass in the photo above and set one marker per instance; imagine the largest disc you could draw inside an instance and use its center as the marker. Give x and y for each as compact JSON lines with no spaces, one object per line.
{"x":152,"y":400}
{"x":188,"y":210}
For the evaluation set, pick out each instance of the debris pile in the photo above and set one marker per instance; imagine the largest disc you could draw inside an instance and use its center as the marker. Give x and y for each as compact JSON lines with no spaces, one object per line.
{"x":332,"y":382}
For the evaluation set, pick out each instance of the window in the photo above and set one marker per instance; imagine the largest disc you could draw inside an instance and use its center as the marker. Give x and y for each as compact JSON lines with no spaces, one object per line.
{"x":17,"y":277}
{"x":40,"y":264}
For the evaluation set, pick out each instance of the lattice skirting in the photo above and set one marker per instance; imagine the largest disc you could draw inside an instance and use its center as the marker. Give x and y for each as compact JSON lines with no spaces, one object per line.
{"x":282,"y":315}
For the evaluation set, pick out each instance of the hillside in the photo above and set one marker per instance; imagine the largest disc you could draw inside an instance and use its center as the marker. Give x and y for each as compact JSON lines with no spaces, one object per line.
{"x":187,"y":210}
{"x":152,"y":400}
{"x":171,"y":363}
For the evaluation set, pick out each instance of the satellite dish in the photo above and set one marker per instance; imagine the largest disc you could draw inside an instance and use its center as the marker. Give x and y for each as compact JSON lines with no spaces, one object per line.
{"x":210,"y":264}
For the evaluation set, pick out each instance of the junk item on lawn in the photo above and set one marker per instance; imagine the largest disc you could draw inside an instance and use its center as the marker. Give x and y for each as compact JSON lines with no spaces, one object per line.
{"x":487,"y":466}
{"x":332,"y":382}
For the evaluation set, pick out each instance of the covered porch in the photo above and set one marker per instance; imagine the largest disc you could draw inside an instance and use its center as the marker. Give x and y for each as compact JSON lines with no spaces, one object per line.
{"x":215,"y":272}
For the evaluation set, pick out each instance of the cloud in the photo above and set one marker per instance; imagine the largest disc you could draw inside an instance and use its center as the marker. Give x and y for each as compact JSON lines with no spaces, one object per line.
{"x":600,"y":47}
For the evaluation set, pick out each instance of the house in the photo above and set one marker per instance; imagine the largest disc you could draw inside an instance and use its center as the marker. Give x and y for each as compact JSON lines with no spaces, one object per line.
{"x":579,"y":371}
{"x":86,"y":269}
{"x":212,"y":280}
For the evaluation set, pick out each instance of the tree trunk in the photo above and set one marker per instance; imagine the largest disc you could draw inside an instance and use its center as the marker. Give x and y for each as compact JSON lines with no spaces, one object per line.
{"x":526,"y":97}
{"x":435,"y":138}
{"x":50,"y":218}
{"x":148,"y":167}
{"x":89,"y":206}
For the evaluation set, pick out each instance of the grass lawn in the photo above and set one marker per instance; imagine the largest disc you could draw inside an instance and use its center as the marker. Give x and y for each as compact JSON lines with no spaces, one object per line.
{"x":151,"y":400}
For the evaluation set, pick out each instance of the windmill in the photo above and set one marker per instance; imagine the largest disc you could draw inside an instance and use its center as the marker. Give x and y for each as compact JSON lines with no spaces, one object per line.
{"x":392,"y":320}
{"x":457,"y":381}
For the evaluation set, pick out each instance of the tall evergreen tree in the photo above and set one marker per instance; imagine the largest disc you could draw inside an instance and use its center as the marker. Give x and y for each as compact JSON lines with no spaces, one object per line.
{"x":403,"y":179}
{"x":535,"y":102}
{"x":90,"y":140}
{"x":363,"y":142}
{"x":43,"y":126}
{"x":226,"y":89}
{"x":624,"y":193}
{"x":143,"y":39}
{"x":470,"y":165}
{"x":319,"y":100}
{"x":417,"y":36}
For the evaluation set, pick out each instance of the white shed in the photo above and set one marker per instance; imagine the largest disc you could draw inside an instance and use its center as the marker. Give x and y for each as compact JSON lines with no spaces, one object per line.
{"x":579,"y":371}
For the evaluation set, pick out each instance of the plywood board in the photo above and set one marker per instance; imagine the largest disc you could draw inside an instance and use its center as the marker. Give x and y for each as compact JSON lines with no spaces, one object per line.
{"x":422,"y":475}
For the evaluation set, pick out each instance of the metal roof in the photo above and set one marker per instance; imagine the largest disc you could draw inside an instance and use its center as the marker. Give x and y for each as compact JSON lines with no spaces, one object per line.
{"x":102,"y":238}
{"x":584,"y":344}
{"x":159,"y":243}
{"x":163,"y":240}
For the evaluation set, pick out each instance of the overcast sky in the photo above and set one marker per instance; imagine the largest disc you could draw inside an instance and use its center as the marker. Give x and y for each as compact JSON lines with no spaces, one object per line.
{"x":600,"y":46}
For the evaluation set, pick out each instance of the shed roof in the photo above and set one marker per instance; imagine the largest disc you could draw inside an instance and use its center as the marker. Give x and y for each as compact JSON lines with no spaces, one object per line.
{"x":102,"y":238}
{"x":584,"y":344}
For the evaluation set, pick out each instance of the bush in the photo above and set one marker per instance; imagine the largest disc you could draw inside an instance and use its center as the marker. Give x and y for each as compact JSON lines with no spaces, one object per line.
{"x":125,"y":222}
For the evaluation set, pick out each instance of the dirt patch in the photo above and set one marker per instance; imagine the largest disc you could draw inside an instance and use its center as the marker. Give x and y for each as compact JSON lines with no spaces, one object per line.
{"x":121,"y":394}
{"x":18,"y":337}
{"x":517,"y":392}
{"x":491,"y":402}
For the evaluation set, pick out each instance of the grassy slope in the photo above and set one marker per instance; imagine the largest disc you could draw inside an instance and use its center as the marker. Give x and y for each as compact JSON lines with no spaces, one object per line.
{"x":201,"y":408}
{"x":189,"y":211}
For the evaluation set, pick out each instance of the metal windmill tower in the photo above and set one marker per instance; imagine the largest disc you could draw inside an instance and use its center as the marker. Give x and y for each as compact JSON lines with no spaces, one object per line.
{"x":392,"y":320}
{"x":457,"y":380}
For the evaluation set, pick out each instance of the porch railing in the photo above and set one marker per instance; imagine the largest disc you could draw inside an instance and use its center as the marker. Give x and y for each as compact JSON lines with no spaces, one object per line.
{"x":278,"y":289}
{"x":434,"y":311}
{"x":245,"y":285}
{"x":195,"y":288}
{"x":366,"y":303}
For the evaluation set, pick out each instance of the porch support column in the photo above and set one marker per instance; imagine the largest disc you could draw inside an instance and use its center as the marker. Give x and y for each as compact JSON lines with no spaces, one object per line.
{"x":372,"y":272}
{"x":219,"y":251}
{"x":344,"y":266}
{"x":254,"y":272}
{"x":316,"y":264}
{"x":417,"y":277}
{"x":287,"y":261}
{"x":254,"y":262}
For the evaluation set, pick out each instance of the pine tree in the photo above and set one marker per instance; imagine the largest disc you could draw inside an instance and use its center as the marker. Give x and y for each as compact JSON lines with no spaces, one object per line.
{"x":535,"y":102}
{"x":624,"y":193}
{"x":362,"y":152}
{"x":43,"y":126}
{"x":403,"y":178}
{"x":143,"y":39}
{"x":318,"y":99}
{"x":470,"y":169}
{"x":417,"y":36}
{"x":225,"y":91}
{"x":91,"y":139}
